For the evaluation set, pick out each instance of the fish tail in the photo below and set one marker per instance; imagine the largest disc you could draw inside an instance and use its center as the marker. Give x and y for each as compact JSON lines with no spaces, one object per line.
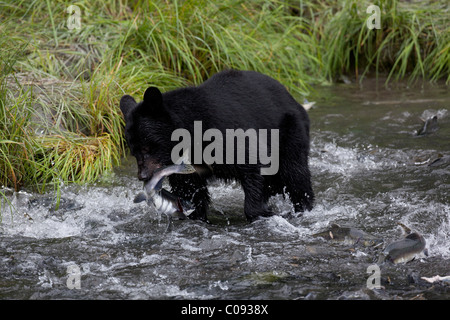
{"x":142,"y":196}
{"x":382,"y":258}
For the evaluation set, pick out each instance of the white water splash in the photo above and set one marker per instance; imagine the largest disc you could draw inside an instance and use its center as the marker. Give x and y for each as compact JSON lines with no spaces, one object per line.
{"x":37,"y":220}
{"x":347,"y":162}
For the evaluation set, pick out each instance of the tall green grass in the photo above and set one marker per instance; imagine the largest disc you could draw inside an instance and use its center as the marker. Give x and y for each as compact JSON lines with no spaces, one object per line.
{"x":59,"y":88}
{"x":413,"y":42}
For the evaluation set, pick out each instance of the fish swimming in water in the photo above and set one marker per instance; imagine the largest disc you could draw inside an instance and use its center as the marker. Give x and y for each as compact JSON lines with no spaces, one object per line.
{"x":164,"y":201}
{"x":430,"y":125}
{"x":440,"y":160}
{"x":307,"y":105}
{"x":445,"y":279}
{"x":349,"y":235}
{"x":404,"y":250}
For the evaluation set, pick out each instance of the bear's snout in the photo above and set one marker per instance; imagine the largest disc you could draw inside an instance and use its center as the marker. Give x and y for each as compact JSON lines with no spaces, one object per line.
{"x":146,"y":170}
{"x":143,"y":175}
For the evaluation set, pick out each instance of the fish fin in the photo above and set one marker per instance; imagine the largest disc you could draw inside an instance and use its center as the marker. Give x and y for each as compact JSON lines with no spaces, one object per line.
{"x":142,"y":196}
{"x":187,"y":167}
{"x":331,"y":235}
{"x":405,"y":229}
{"x":185,"y":163}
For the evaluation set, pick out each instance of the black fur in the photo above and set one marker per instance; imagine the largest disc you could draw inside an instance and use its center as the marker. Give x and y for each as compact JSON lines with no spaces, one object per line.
{"x":228,"y":100}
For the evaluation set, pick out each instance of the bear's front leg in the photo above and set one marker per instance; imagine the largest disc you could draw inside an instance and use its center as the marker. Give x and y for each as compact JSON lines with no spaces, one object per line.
{"x":192,"y":188}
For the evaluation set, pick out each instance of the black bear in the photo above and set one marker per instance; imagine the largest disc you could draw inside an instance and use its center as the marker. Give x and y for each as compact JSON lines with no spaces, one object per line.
{"x":229,"y":100}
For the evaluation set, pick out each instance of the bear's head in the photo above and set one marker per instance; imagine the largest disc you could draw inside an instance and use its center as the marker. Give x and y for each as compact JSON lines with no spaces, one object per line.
{"x":148,"y":131}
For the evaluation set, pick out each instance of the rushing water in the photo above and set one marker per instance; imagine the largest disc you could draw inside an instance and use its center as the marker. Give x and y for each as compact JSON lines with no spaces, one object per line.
{"x":369,"y":169}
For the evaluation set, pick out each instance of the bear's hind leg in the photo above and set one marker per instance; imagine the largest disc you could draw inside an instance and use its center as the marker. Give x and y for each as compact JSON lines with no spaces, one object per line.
{"x":298,"y":186}
{"x":294,"y":171}
{"x":255,"y":204}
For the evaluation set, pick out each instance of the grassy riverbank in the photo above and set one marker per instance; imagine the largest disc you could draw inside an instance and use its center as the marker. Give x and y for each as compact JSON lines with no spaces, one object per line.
{"x":59,"y":88}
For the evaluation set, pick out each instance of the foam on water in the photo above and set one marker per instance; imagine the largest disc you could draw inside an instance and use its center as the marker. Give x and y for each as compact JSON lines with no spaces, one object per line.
{"x":429,"y":113}
{"x":33,"y":215}
{"x":283,"y":226}
{"x":124,"y":251}
{"x":329,"y":157}
{"x":344,"y":161}
{"x":439,"y":241}
{"x":95,"y":204}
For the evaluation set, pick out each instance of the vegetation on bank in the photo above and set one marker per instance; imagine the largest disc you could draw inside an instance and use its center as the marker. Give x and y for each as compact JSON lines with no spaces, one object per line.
{"x":59,"y":88}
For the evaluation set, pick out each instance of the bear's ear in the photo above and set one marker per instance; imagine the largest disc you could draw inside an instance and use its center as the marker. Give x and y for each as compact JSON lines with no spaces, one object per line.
{"x":127,"y":103}
{"x":153,"y":97}
{"x":153,"y":102}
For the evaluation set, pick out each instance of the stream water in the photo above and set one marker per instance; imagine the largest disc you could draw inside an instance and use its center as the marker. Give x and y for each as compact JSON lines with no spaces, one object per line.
{"x":370,"y":170}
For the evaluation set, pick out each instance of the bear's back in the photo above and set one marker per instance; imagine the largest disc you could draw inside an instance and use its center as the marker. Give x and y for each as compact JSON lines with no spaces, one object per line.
{"x":234,"y":99}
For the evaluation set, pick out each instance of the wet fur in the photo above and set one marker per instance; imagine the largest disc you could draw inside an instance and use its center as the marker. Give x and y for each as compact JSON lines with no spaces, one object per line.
{"x":228,"y":100}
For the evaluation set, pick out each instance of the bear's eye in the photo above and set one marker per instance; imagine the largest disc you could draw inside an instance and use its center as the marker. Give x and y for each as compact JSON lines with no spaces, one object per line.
{"x":150,"y":148}
{"x":146,"y":149}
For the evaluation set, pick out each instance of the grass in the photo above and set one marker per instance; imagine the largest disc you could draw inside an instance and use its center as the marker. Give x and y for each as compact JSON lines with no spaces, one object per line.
{"x":59,"y":88}
{"x":412,"y":43}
